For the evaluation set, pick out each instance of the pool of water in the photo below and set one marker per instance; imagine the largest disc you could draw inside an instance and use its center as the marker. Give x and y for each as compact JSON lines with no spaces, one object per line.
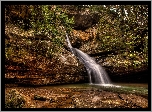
{"x":135,"y":88}
{"x":87,"y":85}
{"x":126,"y":88}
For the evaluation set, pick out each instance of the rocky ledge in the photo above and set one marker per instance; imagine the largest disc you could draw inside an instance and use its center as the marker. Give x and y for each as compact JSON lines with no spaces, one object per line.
{"x":62,"y":97}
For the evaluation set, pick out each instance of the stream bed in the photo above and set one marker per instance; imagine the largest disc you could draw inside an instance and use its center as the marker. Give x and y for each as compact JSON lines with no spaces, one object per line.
{"x":120,"y":95}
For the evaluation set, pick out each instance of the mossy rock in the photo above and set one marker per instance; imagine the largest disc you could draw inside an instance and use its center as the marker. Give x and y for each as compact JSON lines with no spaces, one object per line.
{"x":14,"y":99}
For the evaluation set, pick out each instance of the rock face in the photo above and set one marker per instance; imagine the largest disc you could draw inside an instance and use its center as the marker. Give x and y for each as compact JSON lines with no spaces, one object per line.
{"x":64,"y":68}
{"x":84,"y":21}
{"x":42,"y":71}
{"x":38,"y":69}
{"x":120,"y":67}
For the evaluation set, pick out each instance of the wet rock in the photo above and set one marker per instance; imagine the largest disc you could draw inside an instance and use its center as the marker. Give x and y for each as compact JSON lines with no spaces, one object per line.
{"x":135,"y":101}
{"x":52,"y":105}
{"x":41,"y":98}
{"x":82,"y":98}
{"x":67,"y":106}
{"x":95,"y":98}
{"x":46,"y":105}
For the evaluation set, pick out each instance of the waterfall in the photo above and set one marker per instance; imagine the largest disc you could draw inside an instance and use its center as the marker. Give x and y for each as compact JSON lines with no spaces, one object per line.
{"x":97,"y":75}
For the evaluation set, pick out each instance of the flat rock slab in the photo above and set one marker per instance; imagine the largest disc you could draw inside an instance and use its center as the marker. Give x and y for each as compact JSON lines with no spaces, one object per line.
{"x":61,"y":97}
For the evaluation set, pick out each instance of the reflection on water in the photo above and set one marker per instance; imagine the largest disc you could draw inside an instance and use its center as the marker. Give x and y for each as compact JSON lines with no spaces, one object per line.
{"x":130,"y":88}
{"x":87,"y":85}
{"x":127,"y":88}
{"x":144,"y":85}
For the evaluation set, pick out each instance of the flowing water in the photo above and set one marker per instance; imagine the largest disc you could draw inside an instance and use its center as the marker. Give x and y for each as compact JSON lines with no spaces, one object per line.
{"x":97,"y":75}
{"x":130,"y":88}
{"x":127,"y":88}
{"x":88,"y":85}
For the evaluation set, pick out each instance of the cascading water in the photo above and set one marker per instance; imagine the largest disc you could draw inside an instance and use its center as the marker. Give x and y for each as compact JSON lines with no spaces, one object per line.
{"x":97,"y":75}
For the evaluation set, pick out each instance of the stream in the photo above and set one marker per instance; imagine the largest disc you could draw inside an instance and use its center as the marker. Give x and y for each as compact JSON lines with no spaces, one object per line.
{"x":122,"y":95}
{"x":136,"y":88}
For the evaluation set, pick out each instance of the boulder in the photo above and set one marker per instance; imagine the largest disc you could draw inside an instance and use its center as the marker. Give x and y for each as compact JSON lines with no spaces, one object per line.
{"x":14,"y":100}
{"x":84,"y":21}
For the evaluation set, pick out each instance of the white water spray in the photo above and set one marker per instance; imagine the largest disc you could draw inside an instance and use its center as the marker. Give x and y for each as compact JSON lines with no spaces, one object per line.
{"x":97,"y":75}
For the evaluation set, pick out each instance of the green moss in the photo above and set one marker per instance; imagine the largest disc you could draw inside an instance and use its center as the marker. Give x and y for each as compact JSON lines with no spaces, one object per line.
{"x":14,"y":100}
{"x":127,"y":90}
